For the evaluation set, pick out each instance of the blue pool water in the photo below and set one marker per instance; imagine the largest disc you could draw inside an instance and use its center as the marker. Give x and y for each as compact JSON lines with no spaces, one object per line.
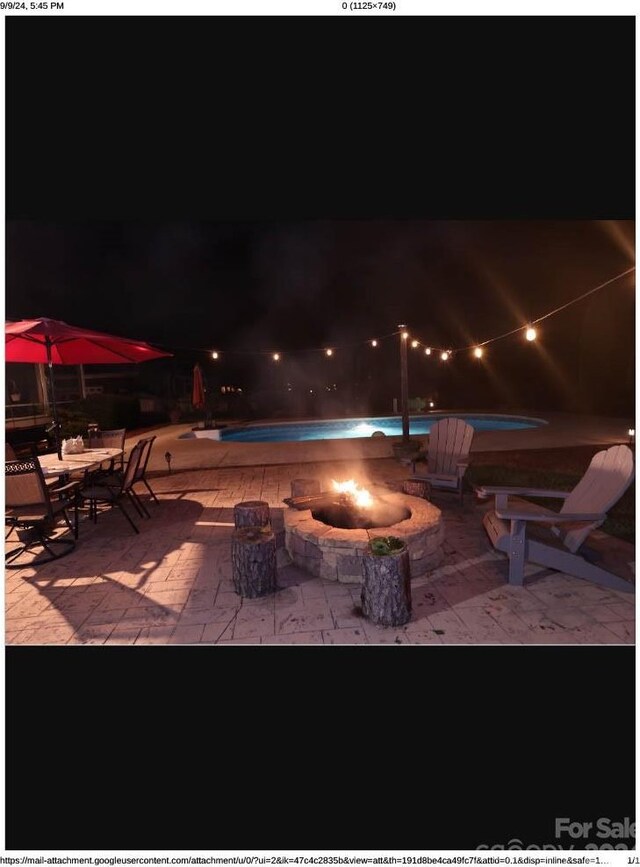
{"x":350,"y":428}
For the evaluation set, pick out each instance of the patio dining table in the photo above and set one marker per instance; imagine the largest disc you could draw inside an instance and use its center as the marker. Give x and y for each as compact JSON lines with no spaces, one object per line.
{"x":75,"y":464}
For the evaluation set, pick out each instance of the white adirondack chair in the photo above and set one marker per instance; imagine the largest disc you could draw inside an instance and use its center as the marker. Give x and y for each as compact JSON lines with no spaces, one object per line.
{"x":447,"y":455}
{"x":527,"y":532}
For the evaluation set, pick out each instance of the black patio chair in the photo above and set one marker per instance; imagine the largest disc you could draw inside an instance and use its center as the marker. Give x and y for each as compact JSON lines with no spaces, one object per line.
{"x":115,"y":479}
{"x":33,"y":510}
{"x":141,"y":472}
{"x":118,"y":490}
{"x":113,"y":439}
{"x":107,"y":439}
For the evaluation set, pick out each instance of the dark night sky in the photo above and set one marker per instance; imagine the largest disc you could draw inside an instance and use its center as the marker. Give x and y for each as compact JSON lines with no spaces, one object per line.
{"x":248,"y":286}
{"x":298,"y":285}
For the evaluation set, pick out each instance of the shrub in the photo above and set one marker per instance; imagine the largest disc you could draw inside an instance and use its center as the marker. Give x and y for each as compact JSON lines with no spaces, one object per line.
{"x":107,"y":410}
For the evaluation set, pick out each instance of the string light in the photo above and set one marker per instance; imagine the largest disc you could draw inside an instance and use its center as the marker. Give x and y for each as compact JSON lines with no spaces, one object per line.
{"x":444,"y":356}
{"x":276,"y":356}
{"x":530,"y":332}
{"x":431,"y":404}
{"x":531,"y":329}
{"x":478,"y":352}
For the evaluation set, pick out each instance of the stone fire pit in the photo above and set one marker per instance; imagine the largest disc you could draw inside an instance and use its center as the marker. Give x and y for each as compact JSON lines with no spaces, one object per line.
{"x":335,"y":554}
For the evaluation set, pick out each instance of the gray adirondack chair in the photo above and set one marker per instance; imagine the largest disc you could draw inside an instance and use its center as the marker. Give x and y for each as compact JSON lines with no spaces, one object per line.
{"x":447,"y":455}
{"x":527,"y":532}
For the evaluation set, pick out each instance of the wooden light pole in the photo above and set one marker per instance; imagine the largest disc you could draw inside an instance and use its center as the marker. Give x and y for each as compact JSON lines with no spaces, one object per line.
{"x":404,"y":384}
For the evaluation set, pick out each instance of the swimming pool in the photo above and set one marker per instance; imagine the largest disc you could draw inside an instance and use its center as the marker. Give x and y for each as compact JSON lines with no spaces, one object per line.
{"x":351,"y":428}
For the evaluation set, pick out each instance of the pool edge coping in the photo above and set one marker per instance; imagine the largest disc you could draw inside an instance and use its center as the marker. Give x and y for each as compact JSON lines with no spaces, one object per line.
{"x":216,"y":433}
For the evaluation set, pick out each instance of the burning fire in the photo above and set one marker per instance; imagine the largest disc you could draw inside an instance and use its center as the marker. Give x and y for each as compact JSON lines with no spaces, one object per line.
{"x":360,"y":496}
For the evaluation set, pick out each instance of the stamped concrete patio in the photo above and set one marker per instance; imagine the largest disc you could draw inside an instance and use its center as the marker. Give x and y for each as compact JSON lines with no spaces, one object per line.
{"x":171,"y":584}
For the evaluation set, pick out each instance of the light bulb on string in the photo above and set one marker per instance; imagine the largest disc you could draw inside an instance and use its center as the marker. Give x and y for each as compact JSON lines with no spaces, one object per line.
{"x":530,"y":332}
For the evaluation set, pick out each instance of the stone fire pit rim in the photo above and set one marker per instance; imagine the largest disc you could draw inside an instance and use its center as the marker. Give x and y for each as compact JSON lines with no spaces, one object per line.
{"x":336,"y":554}
{"x":422,"y":512}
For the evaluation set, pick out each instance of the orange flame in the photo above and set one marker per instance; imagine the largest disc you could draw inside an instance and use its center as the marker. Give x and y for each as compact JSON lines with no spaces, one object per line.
{"x":361,"y":497}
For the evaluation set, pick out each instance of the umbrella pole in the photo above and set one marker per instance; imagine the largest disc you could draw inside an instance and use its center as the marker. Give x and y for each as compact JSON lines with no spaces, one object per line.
{"x":56,"y":423}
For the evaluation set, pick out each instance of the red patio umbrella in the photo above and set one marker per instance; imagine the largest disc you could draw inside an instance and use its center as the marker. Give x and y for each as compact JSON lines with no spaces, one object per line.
{"x":197,"y":397}
{"x":49,"y":341}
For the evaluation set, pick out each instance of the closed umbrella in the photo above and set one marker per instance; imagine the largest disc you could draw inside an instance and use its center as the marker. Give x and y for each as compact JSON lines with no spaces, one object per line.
{"x":197,"y":398}
{"x":49,"y":341}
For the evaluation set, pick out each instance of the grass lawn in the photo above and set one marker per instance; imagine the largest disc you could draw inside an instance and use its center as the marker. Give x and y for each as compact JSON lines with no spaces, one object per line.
{"x":557,"y":469}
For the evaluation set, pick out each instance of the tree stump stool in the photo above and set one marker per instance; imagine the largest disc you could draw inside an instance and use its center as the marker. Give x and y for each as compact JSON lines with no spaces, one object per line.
{"x":386,"y":589}
{"x":251,"y":513}
{"x":417,"y":488}
{"x":305,"y":487}
{"x":253,"y":561}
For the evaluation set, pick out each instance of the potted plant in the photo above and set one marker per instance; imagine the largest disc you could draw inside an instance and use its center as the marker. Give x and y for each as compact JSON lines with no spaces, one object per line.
{"x":382,"y":546}
{"x":406,"y":451}
{"x":386,"y":588}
